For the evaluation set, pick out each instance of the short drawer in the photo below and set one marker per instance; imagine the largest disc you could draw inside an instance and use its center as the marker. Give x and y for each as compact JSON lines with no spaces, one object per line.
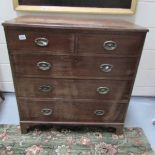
{"x":66,"y":88}
{"x":72,"y":111}
{"x":124,"y":44}
{"x":44,"y":65}
{"x":40,"y":40}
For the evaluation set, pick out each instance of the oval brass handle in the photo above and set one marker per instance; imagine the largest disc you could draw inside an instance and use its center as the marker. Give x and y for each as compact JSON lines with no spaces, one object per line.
{"x":46,"y":88}
{"x":46,"y":111}
{"x":41,"y":42}
{"x":106,"y":67}
{"x":43,"y":65}
{"x":110,"y":45}
{"x":99,"y":112}
{"x":103,"y":90}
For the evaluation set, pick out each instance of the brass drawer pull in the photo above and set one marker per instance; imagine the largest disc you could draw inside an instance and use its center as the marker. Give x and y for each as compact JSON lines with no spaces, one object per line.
{"x":41,"y":42}
{"x":99,"y":112}
{"x":103,"y":90}
{"x":43,"y":65}
{"x":110,"y":45}
{"x":106,"y":67}
{"x":46,"y":88}
{"x":46,"y":111}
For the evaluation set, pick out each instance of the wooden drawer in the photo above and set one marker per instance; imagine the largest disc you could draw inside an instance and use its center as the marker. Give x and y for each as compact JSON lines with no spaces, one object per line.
{"x":72,"y":110}
{"x":42,"y":65}
{"x":110,"y":44}
{"x":24,"y":38}
{"x":65,"y":88}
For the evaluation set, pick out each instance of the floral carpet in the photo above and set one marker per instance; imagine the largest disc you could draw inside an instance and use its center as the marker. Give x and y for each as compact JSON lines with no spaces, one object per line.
{"x":65,"y":141}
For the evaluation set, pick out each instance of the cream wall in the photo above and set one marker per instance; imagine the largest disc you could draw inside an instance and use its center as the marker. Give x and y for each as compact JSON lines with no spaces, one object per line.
{"x":145,"y":16}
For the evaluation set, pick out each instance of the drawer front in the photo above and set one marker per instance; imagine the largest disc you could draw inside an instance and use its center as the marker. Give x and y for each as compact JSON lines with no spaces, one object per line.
{"x":65,"y":88}
{"x":72,"y":110}
{"x":43,"y":65}
{"x":110,"y":44}
{"x":40,"y":40}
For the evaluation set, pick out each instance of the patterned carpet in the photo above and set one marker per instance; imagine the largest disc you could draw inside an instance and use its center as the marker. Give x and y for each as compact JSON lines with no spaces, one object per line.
{"x":84,"y":141}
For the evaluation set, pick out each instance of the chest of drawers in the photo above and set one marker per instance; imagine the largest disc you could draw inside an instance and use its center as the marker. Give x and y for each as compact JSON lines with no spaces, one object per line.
{"x":70,"y":71}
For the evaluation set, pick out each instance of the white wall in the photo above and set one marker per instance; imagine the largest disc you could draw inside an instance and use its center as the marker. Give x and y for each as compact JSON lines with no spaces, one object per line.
{"x":145,"y":16}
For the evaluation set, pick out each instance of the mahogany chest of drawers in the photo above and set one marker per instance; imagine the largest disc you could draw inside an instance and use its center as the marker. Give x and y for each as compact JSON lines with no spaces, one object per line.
{"x":70,"y":71}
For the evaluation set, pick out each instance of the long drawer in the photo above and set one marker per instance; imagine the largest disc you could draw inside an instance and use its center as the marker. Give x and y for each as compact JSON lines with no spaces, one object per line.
{"x":39,"y":39}
{"x":72,"y":110}
{"x":47,"y":65}
{"x":66,"y":88}
{"x":112,"y":44}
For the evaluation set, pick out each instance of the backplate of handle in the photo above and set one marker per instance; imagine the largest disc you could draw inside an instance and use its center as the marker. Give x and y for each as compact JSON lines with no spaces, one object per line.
{"x":99,"y":112}
{"x":43,"y":65}
{"x":106,"y":67}
{"x":103,"y":90}
{"x":46,"y":111}
{"x":45,"y":88}
{"x":42,"y":42}
{"x":110,"y":45}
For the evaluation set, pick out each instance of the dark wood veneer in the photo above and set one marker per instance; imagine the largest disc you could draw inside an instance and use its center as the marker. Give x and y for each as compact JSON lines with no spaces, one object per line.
{"x":126,"y":44}
{"x":72,"y":110}
{"x":66,"y":88}
{"x":75,"y":51}
{"x":58,"y":41}
{"x":72,"y":65}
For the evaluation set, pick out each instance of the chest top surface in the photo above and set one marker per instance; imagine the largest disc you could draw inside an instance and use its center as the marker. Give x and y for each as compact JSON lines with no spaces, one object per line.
{"x":73,"y":23}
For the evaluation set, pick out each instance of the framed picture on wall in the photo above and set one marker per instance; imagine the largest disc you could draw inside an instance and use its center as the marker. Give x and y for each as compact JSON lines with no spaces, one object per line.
{"x":78,"y":6}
